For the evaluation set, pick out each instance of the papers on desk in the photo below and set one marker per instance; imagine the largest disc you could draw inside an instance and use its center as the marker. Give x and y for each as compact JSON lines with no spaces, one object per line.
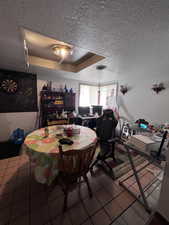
{"x":157,"y":137}
{"x":141,"y":142}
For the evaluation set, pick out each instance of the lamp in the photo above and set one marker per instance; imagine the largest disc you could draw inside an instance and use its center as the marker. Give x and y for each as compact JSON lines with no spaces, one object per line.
{"x":63,"y":51}
{"x":123,"y":89}
{"x":99,"y":67}
{"x":158,"y":87}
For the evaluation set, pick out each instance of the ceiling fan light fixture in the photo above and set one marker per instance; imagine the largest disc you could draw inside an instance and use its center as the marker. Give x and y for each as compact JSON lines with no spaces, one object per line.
{"x":63,"y":51}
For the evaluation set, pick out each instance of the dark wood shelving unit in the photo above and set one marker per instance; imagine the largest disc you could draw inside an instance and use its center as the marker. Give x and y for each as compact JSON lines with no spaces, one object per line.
{"x":52,"y":104}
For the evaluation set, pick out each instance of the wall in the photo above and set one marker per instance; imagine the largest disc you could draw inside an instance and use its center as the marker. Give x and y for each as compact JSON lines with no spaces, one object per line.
{"x":139,"y":102}
{"x":142,"y":102}
{"x":29,"y":120}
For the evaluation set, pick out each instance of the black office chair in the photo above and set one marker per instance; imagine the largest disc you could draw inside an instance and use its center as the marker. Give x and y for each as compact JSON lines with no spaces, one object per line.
{"x":97,"y":109}
{"x":92,"y":123}
{"x":78,"y":121}
{"x":105,"y":129}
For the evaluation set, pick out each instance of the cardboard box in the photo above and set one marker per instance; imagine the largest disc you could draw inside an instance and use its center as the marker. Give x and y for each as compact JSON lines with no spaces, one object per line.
{"x":141,"y":142}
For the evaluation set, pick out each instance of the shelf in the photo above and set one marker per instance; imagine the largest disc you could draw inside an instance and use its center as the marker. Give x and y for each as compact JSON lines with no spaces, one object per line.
{"x":53,"y":92}
{"x":53,"y":107}
{"x":58,"y":122}
{"x":57,"y":92}
{"x":47,"y":98}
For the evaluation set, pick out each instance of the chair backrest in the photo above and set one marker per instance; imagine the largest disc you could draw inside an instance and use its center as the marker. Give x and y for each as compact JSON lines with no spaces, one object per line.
{"x":106,"y":125}
{"x":76,"y":161}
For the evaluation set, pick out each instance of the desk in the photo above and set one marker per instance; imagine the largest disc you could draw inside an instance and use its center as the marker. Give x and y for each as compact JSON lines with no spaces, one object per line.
{"x":130,"y":148}
{"x":89,"y":121}
{"x":88,"y":117}
{"x":43,"y":151}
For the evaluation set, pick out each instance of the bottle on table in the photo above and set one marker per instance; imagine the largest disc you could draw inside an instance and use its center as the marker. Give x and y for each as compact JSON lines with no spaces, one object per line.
{"x":46,"y":132}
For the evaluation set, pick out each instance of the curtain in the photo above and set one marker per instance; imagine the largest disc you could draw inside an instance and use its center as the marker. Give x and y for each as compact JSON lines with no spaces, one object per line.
{"x":108,"y":97}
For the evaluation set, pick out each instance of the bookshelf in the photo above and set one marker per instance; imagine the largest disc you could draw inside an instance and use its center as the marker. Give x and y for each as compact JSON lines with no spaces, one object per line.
{"x":54,"y":107}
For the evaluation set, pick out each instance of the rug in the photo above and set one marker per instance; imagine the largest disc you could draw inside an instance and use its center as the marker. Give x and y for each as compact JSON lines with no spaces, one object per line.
{"x":122,"y":164}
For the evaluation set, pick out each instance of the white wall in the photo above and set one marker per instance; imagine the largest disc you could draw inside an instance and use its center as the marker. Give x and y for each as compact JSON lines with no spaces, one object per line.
{"x":141,"y":101}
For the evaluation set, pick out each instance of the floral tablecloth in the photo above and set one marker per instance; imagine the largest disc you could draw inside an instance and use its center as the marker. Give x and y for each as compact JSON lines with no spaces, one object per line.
{"x":41,"y":149}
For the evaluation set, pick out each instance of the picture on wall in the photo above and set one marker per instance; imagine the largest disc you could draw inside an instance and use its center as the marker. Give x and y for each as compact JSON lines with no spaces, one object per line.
{"x":18,"y":92}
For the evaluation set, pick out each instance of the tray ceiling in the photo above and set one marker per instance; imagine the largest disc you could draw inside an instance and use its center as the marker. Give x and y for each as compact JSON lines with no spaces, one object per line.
{"x":39,"y":53}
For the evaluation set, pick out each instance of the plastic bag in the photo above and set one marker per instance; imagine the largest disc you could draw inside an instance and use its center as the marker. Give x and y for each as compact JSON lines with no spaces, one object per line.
{"x":17,"y":136}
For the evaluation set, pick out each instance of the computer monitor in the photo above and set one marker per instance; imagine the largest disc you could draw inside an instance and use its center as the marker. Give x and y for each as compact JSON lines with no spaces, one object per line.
{"x":84,"y":110}
{"x":97,"y":109}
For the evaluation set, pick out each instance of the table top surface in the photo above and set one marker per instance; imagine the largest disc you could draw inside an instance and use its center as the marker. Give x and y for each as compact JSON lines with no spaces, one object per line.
{"x":37,"y":141}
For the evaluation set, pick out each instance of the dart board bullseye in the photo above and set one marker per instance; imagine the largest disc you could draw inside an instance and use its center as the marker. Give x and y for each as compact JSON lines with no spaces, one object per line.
{"x":9,"y":86}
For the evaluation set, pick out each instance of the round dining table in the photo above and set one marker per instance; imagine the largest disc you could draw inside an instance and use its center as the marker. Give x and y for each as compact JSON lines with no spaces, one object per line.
{"x":42,"y":148}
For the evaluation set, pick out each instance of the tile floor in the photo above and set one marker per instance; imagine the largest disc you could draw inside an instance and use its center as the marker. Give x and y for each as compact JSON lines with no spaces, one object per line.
{"x":23,"y":201}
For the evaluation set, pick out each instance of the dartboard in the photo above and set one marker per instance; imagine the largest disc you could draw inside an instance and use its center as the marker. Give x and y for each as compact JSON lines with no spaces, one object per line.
{"x":9,"y":86}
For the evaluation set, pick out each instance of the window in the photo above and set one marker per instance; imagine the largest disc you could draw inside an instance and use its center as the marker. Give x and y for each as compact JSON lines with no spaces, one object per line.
{"x":89,"y":95}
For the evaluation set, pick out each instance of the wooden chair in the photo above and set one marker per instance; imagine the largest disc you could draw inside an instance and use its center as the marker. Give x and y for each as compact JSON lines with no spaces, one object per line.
{"x":74,"y":165}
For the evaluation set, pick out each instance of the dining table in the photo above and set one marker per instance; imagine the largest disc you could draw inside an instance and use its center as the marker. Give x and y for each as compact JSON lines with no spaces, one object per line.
{"x":42,"y":147}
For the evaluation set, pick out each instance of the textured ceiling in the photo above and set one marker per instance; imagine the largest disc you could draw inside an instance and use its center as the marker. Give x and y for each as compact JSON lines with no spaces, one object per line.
{"x":133,"y":35}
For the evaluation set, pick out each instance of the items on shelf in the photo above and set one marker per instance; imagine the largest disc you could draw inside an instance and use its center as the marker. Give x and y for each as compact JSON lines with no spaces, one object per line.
{"x":71,"y":90}
{"x":44,"y":88}
{"x":61,"y":88}
{"x":49,"y":85}
{"x":57,"y":115}
{"x":143,"y":125}
{"x":55,"y":106}
{"x":65,"y":89}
